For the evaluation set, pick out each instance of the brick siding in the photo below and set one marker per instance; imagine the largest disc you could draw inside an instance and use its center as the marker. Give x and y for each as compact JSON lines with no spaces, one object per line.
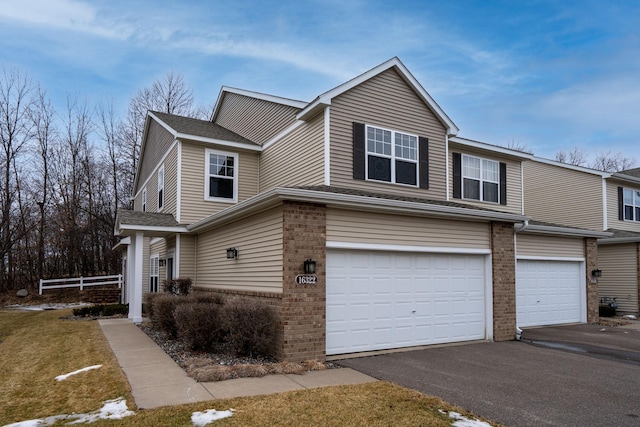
{"x":591,"y":256}
{"x":504,"y":281}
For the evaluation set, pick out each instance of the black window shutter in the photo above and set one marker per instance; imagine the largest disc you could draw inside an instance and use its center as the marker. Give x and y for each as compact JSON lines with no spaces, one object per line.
{"x":359,"y":151}
{"x":503,"y":183}
{"x":620,"y":203}
{"x":423,"y":152}
{"x":457,"y":176}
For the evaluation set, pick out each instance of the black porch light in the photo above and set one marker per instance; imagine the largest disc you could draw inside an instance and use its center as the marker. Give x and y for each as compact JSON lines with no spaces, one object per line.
{"x":232,"y":253}
{"x":596,"y":273}
{"x":309,"y":266}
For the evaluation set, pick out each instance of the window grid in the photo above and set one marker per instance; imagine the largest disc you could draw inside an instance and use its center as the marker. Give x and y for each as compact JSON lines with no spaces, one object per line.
{"x":631,"y":205}
{"x":485,"y":173}
{"x":403,"y":156}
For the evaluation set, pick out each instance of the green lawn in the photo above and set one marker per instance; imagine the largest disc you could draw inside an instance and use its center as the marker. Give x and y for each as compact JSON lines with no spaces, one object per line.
{"x":35,"y":347}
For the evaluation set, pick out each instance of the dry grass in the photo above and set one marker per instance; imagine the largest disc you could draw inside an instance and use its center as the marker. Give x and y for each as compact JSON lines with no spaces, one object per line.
{"x":38,"y":346}
{"x":202,"y":370}
{"x":35,"y":347}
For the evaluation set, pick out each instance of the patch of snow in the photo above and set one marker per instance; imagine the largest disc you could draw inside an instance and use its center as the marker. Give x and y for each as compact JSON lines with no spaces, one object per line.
{"x":201,"y":419}
{"x":114,"y":409}
{"x":47,"y":306}
{"x":629,"y":316}
{"x":88,"y":368}
{"x":462,"y":421}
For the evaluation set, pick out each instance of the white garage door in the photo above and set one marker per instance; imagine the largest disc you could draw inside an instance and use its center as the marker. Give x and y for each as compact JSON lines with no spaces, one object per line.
{"x":382,"y":300}
{"x":548,"y":292}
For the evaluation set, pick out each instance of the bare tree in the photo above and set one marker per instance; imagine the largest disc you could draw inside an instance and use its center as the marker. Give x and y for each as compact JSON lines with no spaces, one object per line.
{"x":575,"y":156}
{"x":517,"y":146}
{"x":609,"y":162}
{"x":15,"y":131}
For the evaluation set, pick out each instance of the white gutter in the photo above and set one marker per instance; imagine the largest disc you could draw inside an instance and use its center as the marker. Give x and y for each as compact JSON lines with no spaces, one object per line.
{"x":560,"y":230}
{"x":275,"y":196}
{"x":618,"y":240}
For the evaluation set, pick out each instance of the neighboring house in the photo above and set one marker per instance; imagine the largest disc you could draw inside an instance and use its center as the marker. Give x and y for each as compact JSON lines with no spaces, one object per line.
{"x":414,"y":231}
{"x":602,"y":201}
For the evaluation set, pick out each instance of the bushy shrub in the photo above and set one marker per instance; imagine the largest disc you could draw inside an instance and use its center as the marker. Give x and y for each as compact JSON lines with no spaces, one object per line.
{"x":101,"y":310}
{"x":179,"y":286}
{"x":164,"y":306}
{"x":199,"y":324}
{"x":147,"y":303}
{"x":250,"y":327}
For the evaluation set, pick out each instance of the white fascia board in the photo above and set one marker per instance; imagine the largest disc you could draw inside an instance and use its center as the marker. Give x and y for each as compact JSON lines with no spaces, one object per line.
{"x":125,"y":241}
{"x":241,"y":145}
{"x":490,"y":147}
{"x":143,"y":145}
{"x":618,"y":240}
{"x":572,"y":167}
{"x":626,"y":178}
{"x":153,"y":228}
{"x":324,"y":100}
{"x":258,"y":95}
{"x":560,"y":231}
{"x":277,"y":195}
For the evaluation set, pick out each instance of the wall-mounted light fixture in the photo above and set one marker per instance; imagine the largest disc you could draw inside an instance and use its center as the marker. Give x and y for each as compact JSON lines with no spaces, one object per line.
{"x":161,"y":262}
{"x":232,"y":253}
{"x":596,"y":273}
{"x":309,"y":266}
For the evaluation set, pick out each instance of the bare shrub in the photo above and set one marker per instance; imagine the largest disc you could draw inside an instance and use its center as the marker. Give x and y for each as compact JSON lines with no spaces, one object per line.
{"x":147,"y":303}
{"x":163,"y":308}
{"x":250,"y":326}
{"x":198,"y":324}
{"x":249,"y":370}
{"x":179,"y":286}
{"x":209,"y":373}
{"x":287,"y":368}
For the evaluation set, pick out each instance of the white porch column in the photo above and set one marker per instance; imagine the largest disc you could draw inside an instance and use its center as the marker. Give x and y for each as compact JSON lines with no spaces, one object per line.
{"x":135,"y":261}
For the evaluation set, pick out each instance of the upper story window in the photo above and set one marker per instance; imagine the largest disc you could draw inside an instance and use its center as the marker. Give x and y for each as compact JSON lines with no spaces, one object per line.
{"x":221,"y":173}
{"x":631,"y":205}
{"x":392,"y":156}
{"x":144,"y":200}
{"x":480,"y":179}
{"x":161,"y":187}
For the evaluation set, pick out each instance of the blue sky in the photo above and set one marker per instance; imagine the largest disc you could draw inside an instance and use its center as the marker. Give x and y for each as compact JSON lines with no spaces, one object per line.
{"x":546,"y":74}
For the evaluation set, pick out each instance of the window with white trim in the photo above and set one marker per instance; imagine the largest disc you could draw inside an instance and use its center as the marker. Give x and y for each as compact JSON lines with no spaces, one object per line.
{"x":480,"y":179}
{"x":144,"y":200}
{"x":221,"y":176}
{"x":161,"y":188}
{"x":154,"y":273}
{"x":392,"y":156}
{"x":631,"y":205}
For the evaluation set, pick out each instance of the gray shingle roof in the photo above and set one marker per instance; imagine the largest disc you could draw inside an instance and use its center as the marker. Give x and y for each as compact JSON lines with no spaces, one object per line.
{"x":618,"y":234}
{"x":632,"y":172}
{"x":147,"y":219}
{"x":202,"y":128}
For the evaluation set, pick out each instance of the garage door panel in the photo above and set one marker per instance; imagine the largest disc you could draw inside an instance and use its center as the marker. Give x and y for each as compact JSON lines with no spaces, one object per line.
{"x":548,"y":292}
{"x":413,"y":299}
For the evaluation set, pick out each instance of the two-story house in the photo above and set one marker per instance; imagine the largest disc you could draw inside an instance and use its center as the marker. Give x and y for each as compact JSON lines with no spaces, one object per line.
{"x":413,"y":232}
{"x":596,"y":200}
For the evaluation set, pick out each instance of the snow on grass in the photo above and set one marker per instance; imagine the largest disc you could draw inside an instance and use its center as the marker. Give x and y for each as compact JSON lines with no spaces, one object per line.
{"x":46,"y":306}
{"x":201,"y":419}
{"x":114,"y":409}
{"x":462,"y":421}
{"x":88,"y":368}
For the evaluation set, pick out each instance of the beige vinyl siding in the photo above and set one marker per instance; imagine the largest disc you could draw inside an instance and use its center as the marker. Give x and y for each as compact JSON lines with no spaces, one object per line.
{"x":563,"y":196}
{"x":187,"y":252}
{"x":157,"y":143}
{"x":193,"y":205}
{"x":514,"y":181}
{"x":297,"y":159}
{"x":259,"y":264}
{"x":386,"y":101}
{"x":613,"y":218}
{"x":170,"y":182}
{"x":549,"y":246}
{"x":619,"y":265}
{"x":378,"y":228}
{"x":255,"y":119}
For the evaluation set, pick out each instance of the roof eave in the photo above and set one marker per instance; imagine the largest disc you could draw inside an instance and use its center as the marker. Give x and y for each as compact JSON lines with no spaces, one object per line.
{"x":618,"y":240}
{"x":489,"y":147}
{"x":561,"y":231}
{"x":277,"y":195}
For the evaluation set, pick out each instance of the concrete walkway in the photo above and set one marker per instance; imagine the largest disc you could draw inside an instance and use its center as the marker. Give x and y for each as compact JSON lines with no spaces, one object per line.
{"x":156,"y":380}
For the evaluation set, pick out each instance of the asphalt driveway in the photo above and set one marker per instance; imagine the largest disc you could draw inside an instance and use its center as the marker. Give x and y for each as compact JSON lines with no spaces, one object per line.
{"x":580,"y":375}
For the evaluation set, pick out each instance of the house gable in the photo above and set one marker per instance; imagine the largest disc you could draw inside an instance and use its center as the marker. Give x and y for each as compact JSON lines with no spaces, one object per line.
{"x":156,"y":142}
{"x":387,"y":102}
{"x":257,"y":117}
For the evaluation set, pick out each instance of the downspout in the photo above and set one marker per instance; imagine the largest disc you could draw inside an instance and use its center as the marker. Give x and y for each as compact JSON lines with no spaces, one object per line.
{"x":522,"y":227}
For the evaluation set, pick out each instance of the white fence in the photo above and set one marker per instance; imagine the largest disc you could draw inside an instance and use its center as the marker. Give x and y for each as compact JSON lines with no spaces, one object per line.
{"x":80,"y":282}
